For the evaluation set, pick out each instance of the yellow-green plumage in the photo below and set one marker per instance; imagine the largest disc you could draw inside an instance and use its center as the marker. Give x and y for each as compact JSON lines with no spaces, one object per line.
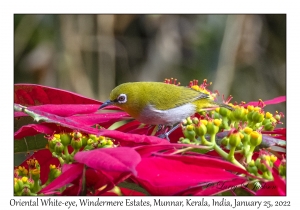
{"x":160,"y":103}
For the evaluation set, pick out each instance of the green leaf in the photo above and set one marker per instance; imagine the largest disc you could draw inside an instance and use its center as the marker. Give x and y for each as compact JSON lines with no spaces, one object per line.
{"x":30,"y":143}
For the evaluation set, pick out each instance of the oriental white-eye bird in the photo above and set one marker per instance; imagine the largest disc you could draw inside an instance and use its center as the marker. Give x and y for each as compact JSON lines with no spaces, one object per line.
{"x":157,"y":103}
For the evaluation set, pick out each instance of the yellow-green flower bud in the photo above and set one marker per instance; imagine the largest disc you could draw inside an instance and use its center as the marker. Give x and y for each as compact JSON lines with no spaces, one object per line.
{"x":245,"y":139}
{"x":257,"y":162}
{"x":195,"y":120}
{"x":109,"y":142}
{"x":89,"y":147}
{"x":224,"y":112}
{"x":189,"y":121}
{"x":255,"y":138}
{"x":263,"y":167}
{"x":234,"y":139}
{"x":17,"y":188}
{"x":100,"y":138}
{"x":267,"y":175}
{"x":24,"y":180}
{"x":185,"y":141}
{"x":215,"y":115}
{"x":257,"y":109}
{"x":257,"y":117}
{"x":213,"y":126}
{"x":59,"y":148}
{"x":217,"y":122}
{"x":204,"y":122}
{"x":190,"y":127}
{"x":19,"y":184}
{"x":273,"y":158}
{"x":266,"y":121}
{"x":84,"y":140}
{"x":269,"y":115}
{"x":22,"y":171}
{"x":252,"y":163}
{"x":52,"y":142}
{"x":238,"y":113}
{"x":250,"y":115}
{"x":252,"y":168}
{"x":265,"y":157}
{"x":65,"y":139}
{"x":103,"y":142}
{"x":244,"y":119}
{"x":35,"y":174}
{"x":269,"y":127}
{"x":200,"y":128}
{"x":77,"y":135}
{"x":93,"y":136}
{"x":90,"y":141}
{"x":225,"y":141}
{"x":250,"y":108}
{"x":26,"y":191}
{"x":29,"y":184}
{"x":248,"y":130}
{"x":107,"y":146}
{"x":282,"y":168}
{"x":54,"y":172}
{"x":277,"y":117}
{"x":231,"y":116}
{"x":76,"y":143}
{"x":99,"y":145}
{"x":189,"y":132}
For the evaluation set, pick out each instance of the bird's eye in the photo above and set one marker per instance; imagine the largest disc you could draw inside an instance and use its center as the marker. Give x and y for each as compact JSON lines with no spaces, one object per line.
{"x":122,"y":98}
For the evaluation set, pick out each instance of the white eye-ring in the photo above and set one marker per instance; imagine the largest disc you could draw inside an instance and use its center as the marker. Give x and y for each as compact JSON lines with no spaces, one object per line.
{"x":122,"y":98}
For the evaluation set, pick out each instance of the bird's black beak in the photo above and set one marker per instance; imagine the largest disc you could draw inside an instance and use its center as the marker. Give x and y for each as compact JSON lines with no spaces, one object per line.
{"x":106,"y":103}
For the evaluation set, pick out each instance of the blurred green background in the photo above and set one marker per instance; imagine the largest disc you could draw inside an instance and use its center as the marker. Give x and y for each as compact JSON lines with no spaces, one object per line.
{"x":243,"y":55}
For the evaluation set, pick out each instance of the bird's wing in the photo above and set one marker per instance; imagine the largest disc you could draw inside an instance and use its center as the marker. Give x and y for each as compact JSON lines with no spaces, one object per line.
{"x":191,"y":96}
{"x":173,"y":96}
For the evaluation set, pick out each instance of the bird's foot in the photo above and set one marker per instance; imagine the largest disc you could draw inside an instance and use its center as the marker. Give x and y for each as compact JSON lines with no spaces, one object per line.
{"x":166,"y":134}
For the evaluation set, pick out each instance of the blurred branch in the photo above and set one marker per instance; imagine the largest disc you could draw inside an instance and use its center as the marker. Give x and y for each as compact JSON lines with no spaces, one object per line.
{"x":73,"y":73}
{"x":106,"y":55}
{"x":228,"y":53}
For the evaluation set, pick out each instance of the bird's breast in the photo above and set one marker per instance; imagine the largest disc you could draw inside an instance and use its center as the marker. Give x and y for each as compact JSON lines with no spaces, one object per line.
{"x":151,"y":115}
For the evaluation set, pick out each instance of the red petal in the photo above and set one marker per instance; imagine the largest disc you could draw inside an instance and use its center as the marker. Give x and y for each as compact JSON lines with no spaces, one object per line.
{"x":121,"y":159}
{"x":32,"y":94}
{"x":149,"y":150}
{"x":129,"y":126}
{"x":277,"y":100}
{"x":130,"y":192}
{"x":34,"y":129}
{"x":104,"y":119}
{"x":158,"y":172}
{"x":205,"y":161}
{"x":131,"y":140}
{"x":222,"y":186}
{"x":66,"y":110}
